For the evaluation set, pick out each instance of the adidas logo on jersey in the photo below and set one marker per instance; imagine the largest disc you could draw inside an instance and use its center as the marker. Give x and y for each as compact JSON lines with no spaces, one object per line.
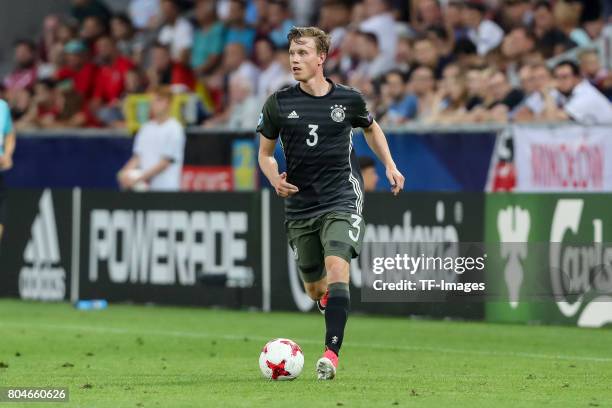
{"x":293,"y":115}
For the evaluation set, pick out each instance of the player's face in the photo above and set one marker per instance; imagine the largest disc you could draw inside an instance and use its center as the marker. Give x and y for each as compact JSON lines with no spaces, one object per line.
{"x":304,"y":59}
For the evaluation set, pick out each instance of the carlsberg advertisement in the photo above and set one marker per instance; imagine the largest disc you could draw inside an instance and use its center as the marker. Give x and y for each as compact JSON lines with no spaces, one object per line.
{"x":554,"y":261}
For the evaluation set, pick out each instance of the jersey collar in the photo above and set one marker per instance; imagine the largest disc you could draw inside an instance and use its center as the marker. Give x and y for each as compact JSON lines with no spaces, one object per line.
{"x":331,"y":90}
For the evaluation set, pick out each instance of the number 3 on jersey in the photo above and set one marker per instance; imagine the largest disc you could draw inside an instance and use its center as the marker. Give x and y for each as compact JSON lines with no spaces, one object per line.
{"x":315,"y":137}
{"x":357,"y":220}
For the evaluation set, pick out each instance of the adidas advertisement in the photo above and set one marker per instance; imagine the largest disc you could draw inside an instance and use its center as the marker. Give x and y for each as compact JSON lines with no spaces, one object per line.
{"x":559,"y":244}
{"x":36,"y":249}
{"x":193,"y":249}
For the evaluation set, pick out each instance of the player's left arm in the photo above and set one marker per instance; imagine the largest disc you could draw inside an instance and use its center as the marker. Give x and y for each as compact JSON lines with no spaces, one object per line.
{"x":6,"y":161}
{"x":377,"y":141}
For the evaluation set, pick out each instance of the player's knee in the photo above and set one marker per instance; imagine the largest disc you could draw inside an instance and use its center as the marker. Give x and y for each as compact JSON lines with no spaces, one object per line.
{"x":337,"y":270}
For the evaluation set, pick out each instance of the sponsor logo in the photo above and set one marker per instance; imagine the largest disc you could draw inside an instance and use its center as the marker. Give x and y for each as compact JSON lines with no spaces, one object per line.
{"x":42,"y":277}
{"x":580,"y":269}
{"x":293,"y":115}
{"x":513,"y":224}
{"x":337,"y":113}
{"x":168,"y":247}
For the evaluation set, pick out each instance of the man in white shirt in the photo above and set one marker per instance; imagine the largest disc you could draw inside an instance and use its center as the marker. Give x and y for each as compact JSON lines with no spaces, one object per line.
{"x":485,"y":34}
{"x":380,"y":21}
{"x":373,"y":63}
{"x":157,"y":161}
{"x":177,"y":32}
{"x":581,"y":101}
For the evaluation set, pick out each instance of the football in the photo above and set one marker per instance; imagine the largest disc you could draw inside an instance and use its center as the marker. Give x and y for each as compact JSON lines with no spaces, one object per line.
{"x":281,"y":359}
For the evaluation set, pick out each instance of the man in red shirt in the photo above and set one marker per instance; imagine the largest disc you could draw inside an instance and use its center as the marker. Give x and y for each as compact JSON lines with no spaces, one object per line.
{"x":110,"y":81}
{"x":112,"y":68}
{"x":78,"y":70}
{"x":165,"y":72}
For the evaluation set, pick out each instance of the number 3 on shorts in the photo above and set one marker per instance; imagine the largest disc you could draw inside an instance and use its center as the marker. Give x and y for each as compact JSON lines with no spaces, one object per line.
{"x":356,"y":221}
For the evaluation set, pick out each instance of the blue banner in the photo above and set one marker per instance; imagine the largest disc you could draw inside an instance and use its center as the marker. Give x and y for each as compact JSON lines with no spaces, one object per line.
{"x":436,"y":162}
{"x":430,"y":162}
{"x":65,"y":162}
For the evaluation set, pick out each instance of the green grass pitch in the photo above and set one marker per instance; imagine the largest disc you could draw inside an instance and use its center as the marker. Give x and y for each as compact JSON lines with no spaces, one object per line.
{"x":147,"y":356}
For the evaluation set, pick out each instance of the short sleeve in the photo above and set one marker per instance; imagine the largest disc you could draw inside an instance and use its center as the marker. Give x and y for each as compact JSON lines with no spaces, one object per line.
{"x":137,"y":148}
{"x":361,"y":117}
{"x":268,"y":124}
{"x":8,"y":122}
{"x":173,"y":148}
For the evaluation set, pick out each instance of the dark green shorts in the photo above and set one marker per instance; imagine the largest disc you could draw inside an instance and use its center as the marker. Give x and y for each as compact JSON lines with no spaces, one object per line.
{"x":330,"y":234}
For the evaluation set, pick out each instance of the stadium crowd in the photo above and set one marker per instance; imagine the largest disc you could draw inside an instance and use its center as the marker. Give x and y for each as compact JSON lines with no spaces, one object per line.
{"x":429,"y":61}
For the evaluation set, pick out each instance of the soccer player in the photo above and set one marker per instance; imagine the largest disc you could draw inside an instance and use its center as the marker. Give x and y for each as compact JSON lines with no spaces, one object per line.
{"x":7,"y":147}
{"x":322,"y":186}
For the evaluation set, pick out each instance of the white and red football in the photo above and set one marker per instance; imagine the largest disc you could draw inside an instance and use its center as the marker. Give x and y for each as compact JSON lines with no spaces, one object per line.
{"x":281,"y":359}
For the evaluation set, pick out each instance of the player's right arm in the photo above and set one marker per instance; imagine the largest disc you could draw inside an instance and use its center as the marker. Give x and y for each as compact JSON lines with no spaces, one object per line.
{"x":268,"y":128}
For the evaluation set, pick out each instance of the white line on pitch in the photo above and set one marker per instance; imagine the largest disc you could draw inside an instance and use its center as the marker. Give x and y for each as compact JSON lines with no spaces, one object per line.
{"x":374,"y":346}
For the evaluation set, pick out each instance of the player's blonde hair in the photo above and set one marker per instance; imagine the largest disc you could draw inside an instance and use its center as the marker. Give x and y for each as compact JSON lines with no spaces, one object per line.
{"x":321,"y":38}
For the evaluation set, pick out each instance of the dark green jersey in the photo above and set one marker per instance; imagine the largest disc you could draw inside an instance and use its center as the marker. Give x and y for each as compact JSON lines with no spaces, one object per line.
{"x":316,"y":136}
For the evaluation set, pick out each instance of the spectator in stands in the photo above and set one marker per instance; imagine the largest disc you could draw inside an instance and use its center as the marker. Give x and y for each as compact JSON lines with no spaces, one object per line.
{"x":92,"y":29}
{"x":449,"y":101}
{"x":368,"y":172}
{"x":176,"y":32}
{"x":541,"y":88}
{"x":334,"y":17}
{"x":236,"y":63}
{"x":81,"y":9}
{"x":425,"y":14}
{"x":129,"y":43}
{"x":157,"y":158}
{"x":238,"y":31}
{"x":426,"y":53}
{"x":270,"y":68}
{"x":23,"y":75}
{"x":567,"y":19}
{"x":590,"y":67}
{"x":516,"y":13}
{"x":501,"y":97}
{"x":484,"y":33}
{"x":49,"y":37}
{"x":66,"y":32}
{"x":78,"y":72}
{"x":404,"y":55}
{"x":422,"y":85}
{"x":69,"y":111}
{"x":109,"y":81}
{"x":396,"y":107}
{"x":163,"y":71}
{"x":581,"y":101}
{"x":550,"y":40}
{"x":243,"y":106}
{"x":209,"y":39}
{"x":475,"y":87}
{"x":518,"y":44}
{"x":42,"y":109}
{"x":285,"y":76}
{"x":372,"y":63}
{"x":279,"y":22}
{"x":145,"y":14}
{"x":380,"y":21}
